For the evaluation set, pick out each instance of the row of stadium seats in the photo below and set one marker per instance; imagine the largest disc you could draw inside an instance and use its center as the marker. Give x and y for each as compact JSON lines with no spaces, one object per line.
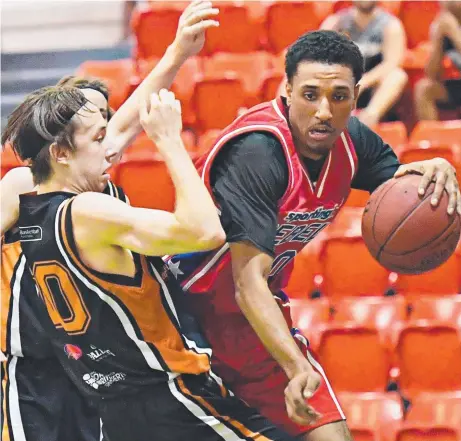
{"x":364,"y":343}
{"x":383,"y":417}
{"x":250,"y":26}
{"x":203,"y":83}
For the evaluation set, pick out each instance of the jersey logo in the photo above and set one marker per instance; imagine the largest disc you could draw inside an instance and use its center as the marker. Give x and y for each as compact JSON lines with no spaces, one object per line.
{"x":320,"y":213}
{"x":73,"y":351}
{"x":30,"y":234}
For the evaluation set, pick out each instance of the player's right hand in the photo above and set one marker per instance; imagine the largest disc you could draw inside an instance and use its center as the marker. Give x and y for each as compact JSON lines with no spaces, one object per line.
{"x":161,"y":117}
{"x":301,"y":387}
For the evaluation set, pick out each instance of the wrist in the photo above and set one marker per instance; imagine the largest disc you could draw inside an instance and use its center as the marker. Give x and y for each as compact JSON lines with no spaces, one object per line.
{"x":176,"y":55}
{"x":296,"y":367}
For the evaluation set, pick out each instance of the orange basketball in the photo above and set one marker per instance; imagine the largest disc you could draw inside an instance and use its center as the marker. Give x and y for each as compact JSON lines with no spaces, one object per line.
{"x":404,"y":232}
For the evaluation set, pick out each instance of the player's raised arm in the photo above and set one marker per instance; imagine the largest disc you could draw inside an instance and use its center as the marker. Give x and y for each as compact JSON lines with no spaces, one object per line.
{"x":124,"y":126}
{"x":15,"y":182}
{"x":194,"y":226}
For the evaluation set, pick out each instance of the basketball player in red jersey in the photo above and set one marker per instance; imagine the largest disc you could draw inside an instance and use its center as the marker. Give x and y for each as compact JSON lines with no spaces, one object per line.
{"x":279,"y":175}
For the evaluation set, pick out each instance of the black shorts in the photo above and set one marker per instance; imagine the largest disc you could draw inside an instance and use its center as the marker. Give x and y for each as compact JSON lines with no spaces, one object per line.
{"x":190,"y":407}
{"x":39,"y":403}
{"x":454,"y":93}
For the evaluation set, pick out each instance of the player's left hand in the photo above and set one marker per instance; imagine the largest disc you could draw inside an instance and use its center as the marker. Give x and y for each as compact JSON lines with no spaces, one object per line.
{"x":194,"y":21}
{"x":443,"y":174}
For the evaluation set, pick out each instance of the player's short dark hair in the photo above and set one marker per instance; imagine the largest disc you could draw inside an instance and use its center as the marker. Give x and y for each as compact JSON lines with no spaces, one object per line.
{"x":88,"y":83}
{"x":44,"y":117}
{"x":328,"y":47}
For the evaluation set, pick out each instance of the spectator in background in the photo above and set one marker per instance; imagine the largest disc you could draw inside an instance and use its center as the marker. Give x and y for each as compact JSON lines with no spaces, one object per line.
{"x":432,"y":91}
{"x":382,"y":41}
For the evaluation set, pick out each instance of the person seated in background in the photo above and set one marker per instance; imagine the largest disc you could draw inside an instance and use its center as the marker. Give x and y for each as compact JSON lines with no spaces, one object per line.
{"x":382,"y":41}
{"x":432,"y":91}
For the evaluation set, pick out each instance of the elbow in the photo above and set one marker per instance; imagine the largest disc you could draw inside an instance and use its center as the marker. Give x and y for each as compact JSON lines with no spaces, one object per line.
{"x":209,"y":239}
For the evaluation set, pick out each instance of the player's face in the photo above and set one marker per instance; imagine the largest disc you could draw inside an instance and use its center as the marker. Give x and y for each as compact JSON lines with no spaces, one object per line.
{"x":365,"y":6}
{"x":87,"y":164}
{"x":321,"y":98}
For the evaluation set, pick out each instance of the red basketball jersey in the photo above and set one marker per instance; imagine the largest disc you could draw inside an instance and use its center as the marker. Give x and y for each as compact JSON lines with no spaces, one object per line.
{"x":305,"y":209}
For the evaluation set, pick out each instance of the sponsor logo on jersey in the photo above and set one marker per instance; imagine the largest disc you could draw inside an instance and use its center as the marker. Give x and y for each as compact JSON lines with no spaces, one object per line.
{"x":73,"y":351}
{"x":320,"y":213}
{"x":96,"y":379}
{"x":99,"y":354}
{"x":30,"y":234}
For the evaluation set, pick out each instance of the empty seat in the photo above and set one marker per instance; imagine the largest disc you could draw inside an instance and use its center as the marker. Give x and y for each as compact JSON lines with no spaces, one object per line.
{"x":417,"y":18}
{"x":349,"y":269}
{"x":392,"y":133}
{"x":251,"y":68}
{"x":236,"y":31}
{"x":355,"y":357}
{"x":433,"y":417}
{"x":307,"y":315}
{"x":447,"y":308}
{"x":118,"y":75}
{"x":218,"y":101}
{"x":155,"y":30}
{"x":372,"y":416}
{"x":443,"y":280}
{"x":286,"y":21}
{"x":429,"y":356}
{"x":441,"y":132}
{"x":425,"y":150}
{"x":145,"y":179}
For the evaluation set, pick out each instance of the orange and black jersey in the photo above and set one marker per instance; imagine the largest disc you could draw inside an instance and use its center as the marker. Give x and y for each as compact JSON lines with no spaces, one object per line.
{"x":23,"y":315}
{"x":117,"y":333}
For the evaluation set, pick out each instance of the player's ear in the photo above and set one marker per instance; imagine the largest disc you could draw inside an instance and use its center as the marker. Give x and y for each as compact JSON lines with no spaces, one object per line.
{"x":356,"y":95}
{"x":289,"y":91}
{"x":59,"y":153}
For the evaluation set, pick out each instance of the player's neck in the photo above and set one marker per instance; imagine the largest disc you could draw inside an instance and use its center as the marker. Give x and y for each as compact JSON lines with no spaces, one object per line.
{"x":363,"y":19}
{"x":57,"y":185}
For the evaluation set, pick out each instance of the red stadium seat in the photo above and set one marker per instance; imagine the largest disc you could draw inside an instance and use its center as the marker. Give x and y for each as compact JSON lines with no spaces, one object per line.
{"x":251,"y":68}
{"x":447,"y":308}
{"x":441,"y":132}
{"x":393,"y":133}
{"x":154,"y":31}
{"x":271,"y":84}
{"x":118,"y":75}
{"x":307,"y":315}
{"x":286,"y":21}
{"x":349,"y":269}
{"x":433,"y":417}
{"x":145,"y":179}
{"x":357,"y":198}
{"x":218,"y":101}
{"x":372,"y":416}
{"x":426,"y":150}
{"x":9,"y":160}
{"x":429,"y":356}
{"x":354,"y":356}
{"x":236,"y":31}
{"x":417,"y":30}
{"x":443,"y":280}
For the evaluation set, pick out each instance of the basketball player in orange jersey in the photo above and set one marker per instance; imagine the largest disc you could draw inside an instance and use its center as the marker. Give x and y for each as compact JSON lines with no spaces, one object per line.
{"x":36,"y":388}
{"x":120,"y":312}
{"x":279,"y":175}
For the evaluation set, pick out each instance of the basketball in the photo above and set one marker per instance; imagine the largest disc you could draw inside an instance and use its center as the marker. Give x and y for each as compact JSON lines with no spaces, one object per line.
{"x":404,"y":232}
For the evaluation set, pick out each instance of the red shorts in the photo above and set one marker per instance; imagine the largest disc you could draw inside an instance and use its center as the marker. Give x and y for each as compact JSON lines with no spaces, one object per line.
{"x":246,"y":367}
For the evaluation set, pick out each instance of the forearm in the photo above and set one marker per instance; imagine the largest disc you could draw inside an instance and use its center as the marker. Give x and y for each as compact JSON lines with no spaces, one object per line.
{"x":434,"y":64}
{"x":261,"y":310}
{"x":125,"y":121}
{"x":375,"y":75}
{"x":194,"y":204}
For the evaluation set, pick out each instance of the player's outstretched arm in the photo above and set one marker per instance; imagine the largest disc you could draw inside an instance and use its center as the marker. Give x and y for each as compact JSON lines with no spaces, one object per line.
{"x":194,"y":226}
{"x":251,"y":268}
{"x":124,"y":126}
{"x":15,"y":182}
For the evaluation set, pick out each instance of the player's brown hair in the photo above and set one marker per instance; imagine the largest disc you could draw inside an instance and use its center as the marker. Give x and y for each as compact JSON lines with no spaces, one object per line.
{"x":88,"y":83}
{"x":43,"y":118}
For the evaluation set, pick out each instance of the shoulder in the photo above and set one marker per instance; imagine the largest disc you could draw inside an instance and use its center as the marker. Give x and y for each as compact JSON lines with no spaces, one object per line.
{"x":364,"y":139}
{"x":20,"y":178}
